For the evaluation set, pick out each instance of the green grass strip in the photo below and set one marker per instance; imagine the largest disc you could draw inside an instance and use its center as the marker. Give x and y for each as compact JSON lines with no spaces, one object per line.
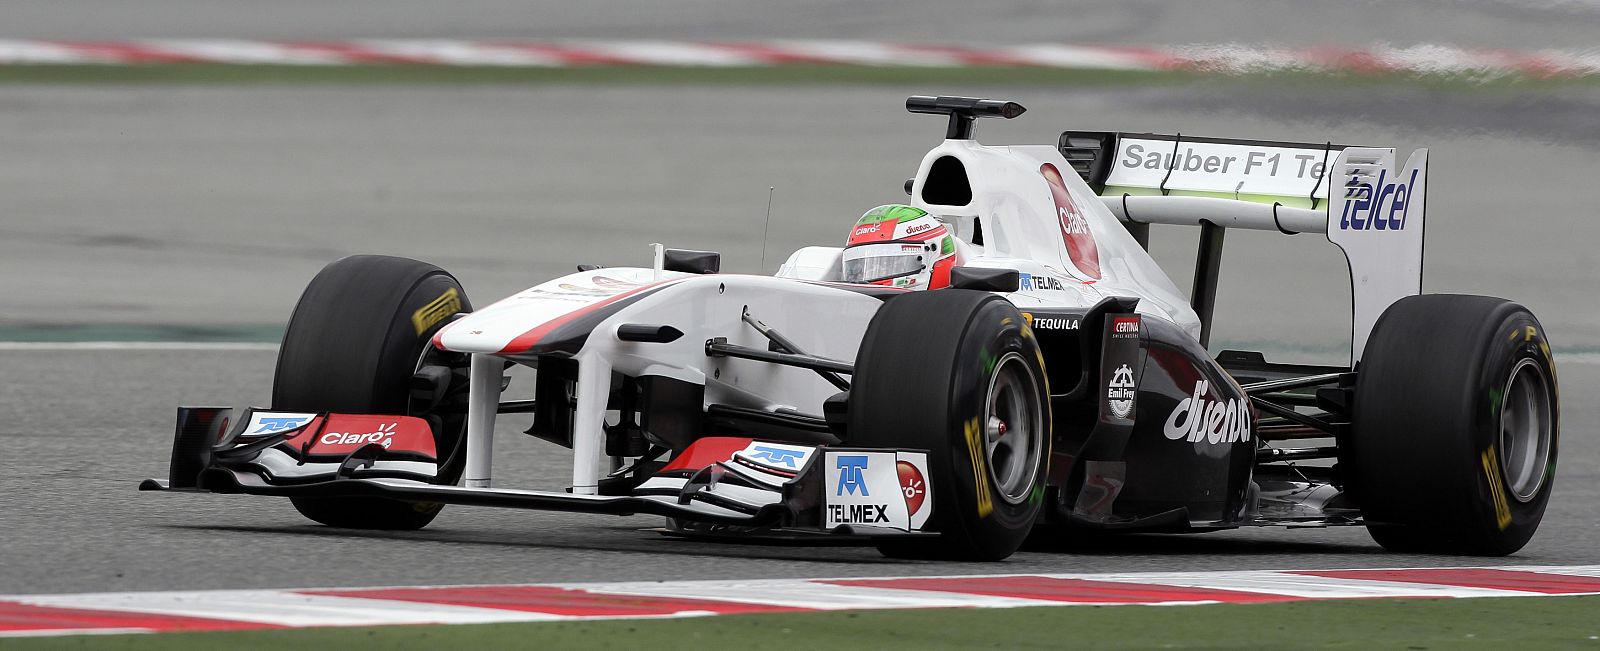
{"x":1525,"y":624}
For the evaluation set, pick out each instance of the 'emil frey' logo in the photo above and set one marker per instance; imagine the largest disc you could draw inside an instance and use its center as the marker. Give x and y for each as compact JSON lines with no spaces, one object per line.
{"x":850,"y":469}
{"x":1120,"y":391}
{"x":1377,"y":206}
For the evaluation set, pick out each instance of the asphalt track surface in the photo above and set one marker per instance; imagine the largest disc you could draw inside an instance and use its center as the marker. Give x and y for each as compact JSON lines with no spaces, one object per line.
{"x":1525,"y":24}
{"x":84,"y":427}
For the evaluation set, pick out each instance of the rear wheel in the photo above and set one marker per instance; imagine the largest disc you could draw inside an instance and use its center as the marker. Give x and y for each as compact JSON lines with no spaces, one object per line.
{"x":357,"y":336}
{"x":1454,"y":432}
{"x":958,"y":373}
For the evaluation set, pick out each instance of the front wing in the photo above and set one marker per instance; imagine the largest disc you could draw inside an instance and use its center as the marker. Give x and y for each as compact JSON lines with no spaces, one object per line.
{"x":761,"y":485}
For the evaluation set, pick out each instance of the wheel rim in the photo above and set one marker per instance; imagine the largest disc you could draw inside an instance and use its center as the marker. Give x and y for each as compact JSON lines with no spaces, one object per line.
{"x":1013,"y":428}
{"x":1525,"y":430}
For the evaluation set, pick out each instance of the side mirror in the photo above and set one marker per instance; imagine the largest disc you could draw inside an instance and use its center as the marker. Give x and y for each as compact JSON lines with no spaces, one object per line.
{"x":694,"y":262}
{"x":984,"y":279}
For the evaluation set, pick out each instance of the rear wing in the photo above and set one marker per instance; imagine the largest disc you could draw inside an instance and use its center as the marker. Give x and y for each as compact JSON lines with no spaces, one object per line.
{"x":1356,"y":196}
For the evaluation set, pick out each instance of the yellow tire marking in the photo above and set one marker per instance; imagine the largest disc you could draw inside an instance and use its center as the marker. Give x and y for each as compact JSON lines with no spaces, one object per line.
{"x":436,"y":310}
{"x":980,"y":480}
{"x":1491,"y":471}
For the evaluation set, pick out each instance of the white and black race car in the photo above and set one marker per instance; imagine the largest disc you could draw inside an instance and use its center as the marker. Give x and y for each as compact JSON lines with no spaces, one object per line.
{"x":1003,"y":354}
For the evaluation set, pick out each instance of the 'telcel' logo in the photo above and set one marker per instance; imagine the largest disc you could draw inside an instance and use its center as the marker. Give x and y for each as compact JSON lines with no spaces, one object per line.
{"x":1377,"y":206}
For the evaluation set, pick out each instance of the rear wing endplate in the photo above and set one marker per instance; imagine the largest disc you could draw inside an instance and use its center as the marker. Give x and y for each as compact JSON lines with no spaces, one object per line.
{"x":1356,"y":196}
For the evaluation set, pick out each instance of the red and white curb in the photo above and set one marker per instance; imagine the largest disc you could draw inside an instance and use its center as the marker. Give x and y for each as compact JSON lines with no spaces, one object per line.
{"x":1228,"y":57}
{"x":147,"y":612}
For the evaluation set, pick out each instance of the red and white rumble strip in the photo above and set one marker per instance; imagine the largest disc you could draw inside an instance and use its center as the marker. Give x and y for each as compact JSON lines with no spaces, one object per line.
{"x":1230,"y":57}
{"x":145,"y":612}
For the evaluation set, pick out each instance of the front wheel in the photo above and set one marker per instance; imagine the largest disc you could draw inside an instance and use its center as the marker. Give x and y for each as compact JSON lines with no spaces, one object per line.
{"x":1454,"y":432}
{"x":958,"y":373}
{"x":352,"y":346}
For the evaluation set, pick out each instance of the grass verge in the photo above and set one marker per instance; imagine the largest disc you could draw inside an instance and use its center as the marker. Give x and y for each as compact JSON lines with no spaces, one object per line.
{"x":1496,"y":623}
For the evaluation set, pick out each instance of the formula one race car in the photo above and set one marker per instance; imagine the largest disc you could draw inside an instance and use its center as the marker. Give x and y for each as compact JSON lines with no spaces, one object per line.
{"x":1000,"y":352}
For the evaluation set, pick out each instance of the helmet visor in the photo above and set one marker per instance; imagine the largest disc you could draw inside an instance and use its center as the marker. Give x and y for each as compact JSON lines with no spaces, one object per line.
{"x":870,"y":263}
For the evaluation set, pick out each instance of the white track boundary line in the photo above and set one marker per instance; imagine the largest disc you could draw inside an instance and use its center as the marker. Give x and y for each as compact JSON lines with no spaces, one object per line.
{"x":68,"y":346}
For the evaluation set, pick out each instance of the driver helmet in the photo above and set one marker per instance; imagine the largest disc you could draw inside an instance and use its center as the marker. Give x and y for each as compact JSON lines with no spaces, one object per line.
{"x":899,"y":246}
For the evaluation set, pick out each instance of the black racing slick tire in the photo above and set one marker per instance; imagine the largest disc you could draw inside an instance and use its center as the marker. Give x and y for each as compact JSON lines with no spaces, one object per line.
{"x":352,"y":346}
{"x":1455,"y":424}
{"x":959,"y":374}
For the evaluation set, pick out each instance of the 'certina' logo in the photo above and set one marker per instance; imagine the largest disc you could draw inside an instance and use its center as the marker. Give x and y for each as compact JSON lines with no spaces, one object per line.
{"x":1120,"y":391}
{"x":1212,"y":421}
{"x":1377,"y":206}
{"x":1124,"y":326}
{"x":384,"y":436}
{"x":850,"y":475}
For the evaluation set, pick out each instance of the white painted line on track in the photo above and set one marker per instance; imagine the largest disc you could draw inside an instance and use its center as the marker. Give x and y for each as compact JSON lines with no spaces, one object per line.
{"x":281,"y":608}
{"x":65,"y":346}
{"x":816,"y":596}
{"x":1308,"y":587}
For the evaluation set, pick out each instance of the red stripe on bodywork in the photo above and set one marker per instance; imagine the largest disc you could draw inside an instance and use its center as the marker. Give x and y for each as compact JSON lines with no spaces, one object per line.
{"x":553,"y":600}
{"x":531,"y":338}
{"x":707,"y":451}
{"x":1065,"y":590}
{"x":27,"y":617}
{"x":1537,"y":582}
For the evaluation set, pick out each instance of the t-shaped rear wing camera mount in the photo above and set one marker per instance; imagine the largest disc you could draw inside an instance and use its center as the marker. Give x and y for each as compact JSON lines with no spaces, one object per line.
{"x":962,"y":111}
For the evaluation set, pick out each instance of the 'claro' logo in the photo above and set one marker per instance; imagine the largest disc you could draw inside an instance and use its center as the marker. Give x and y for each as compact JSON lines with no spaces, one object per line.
{"x":384,"y":436}
{"x":1377,"y":206}
{"x":1213,"y":421}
